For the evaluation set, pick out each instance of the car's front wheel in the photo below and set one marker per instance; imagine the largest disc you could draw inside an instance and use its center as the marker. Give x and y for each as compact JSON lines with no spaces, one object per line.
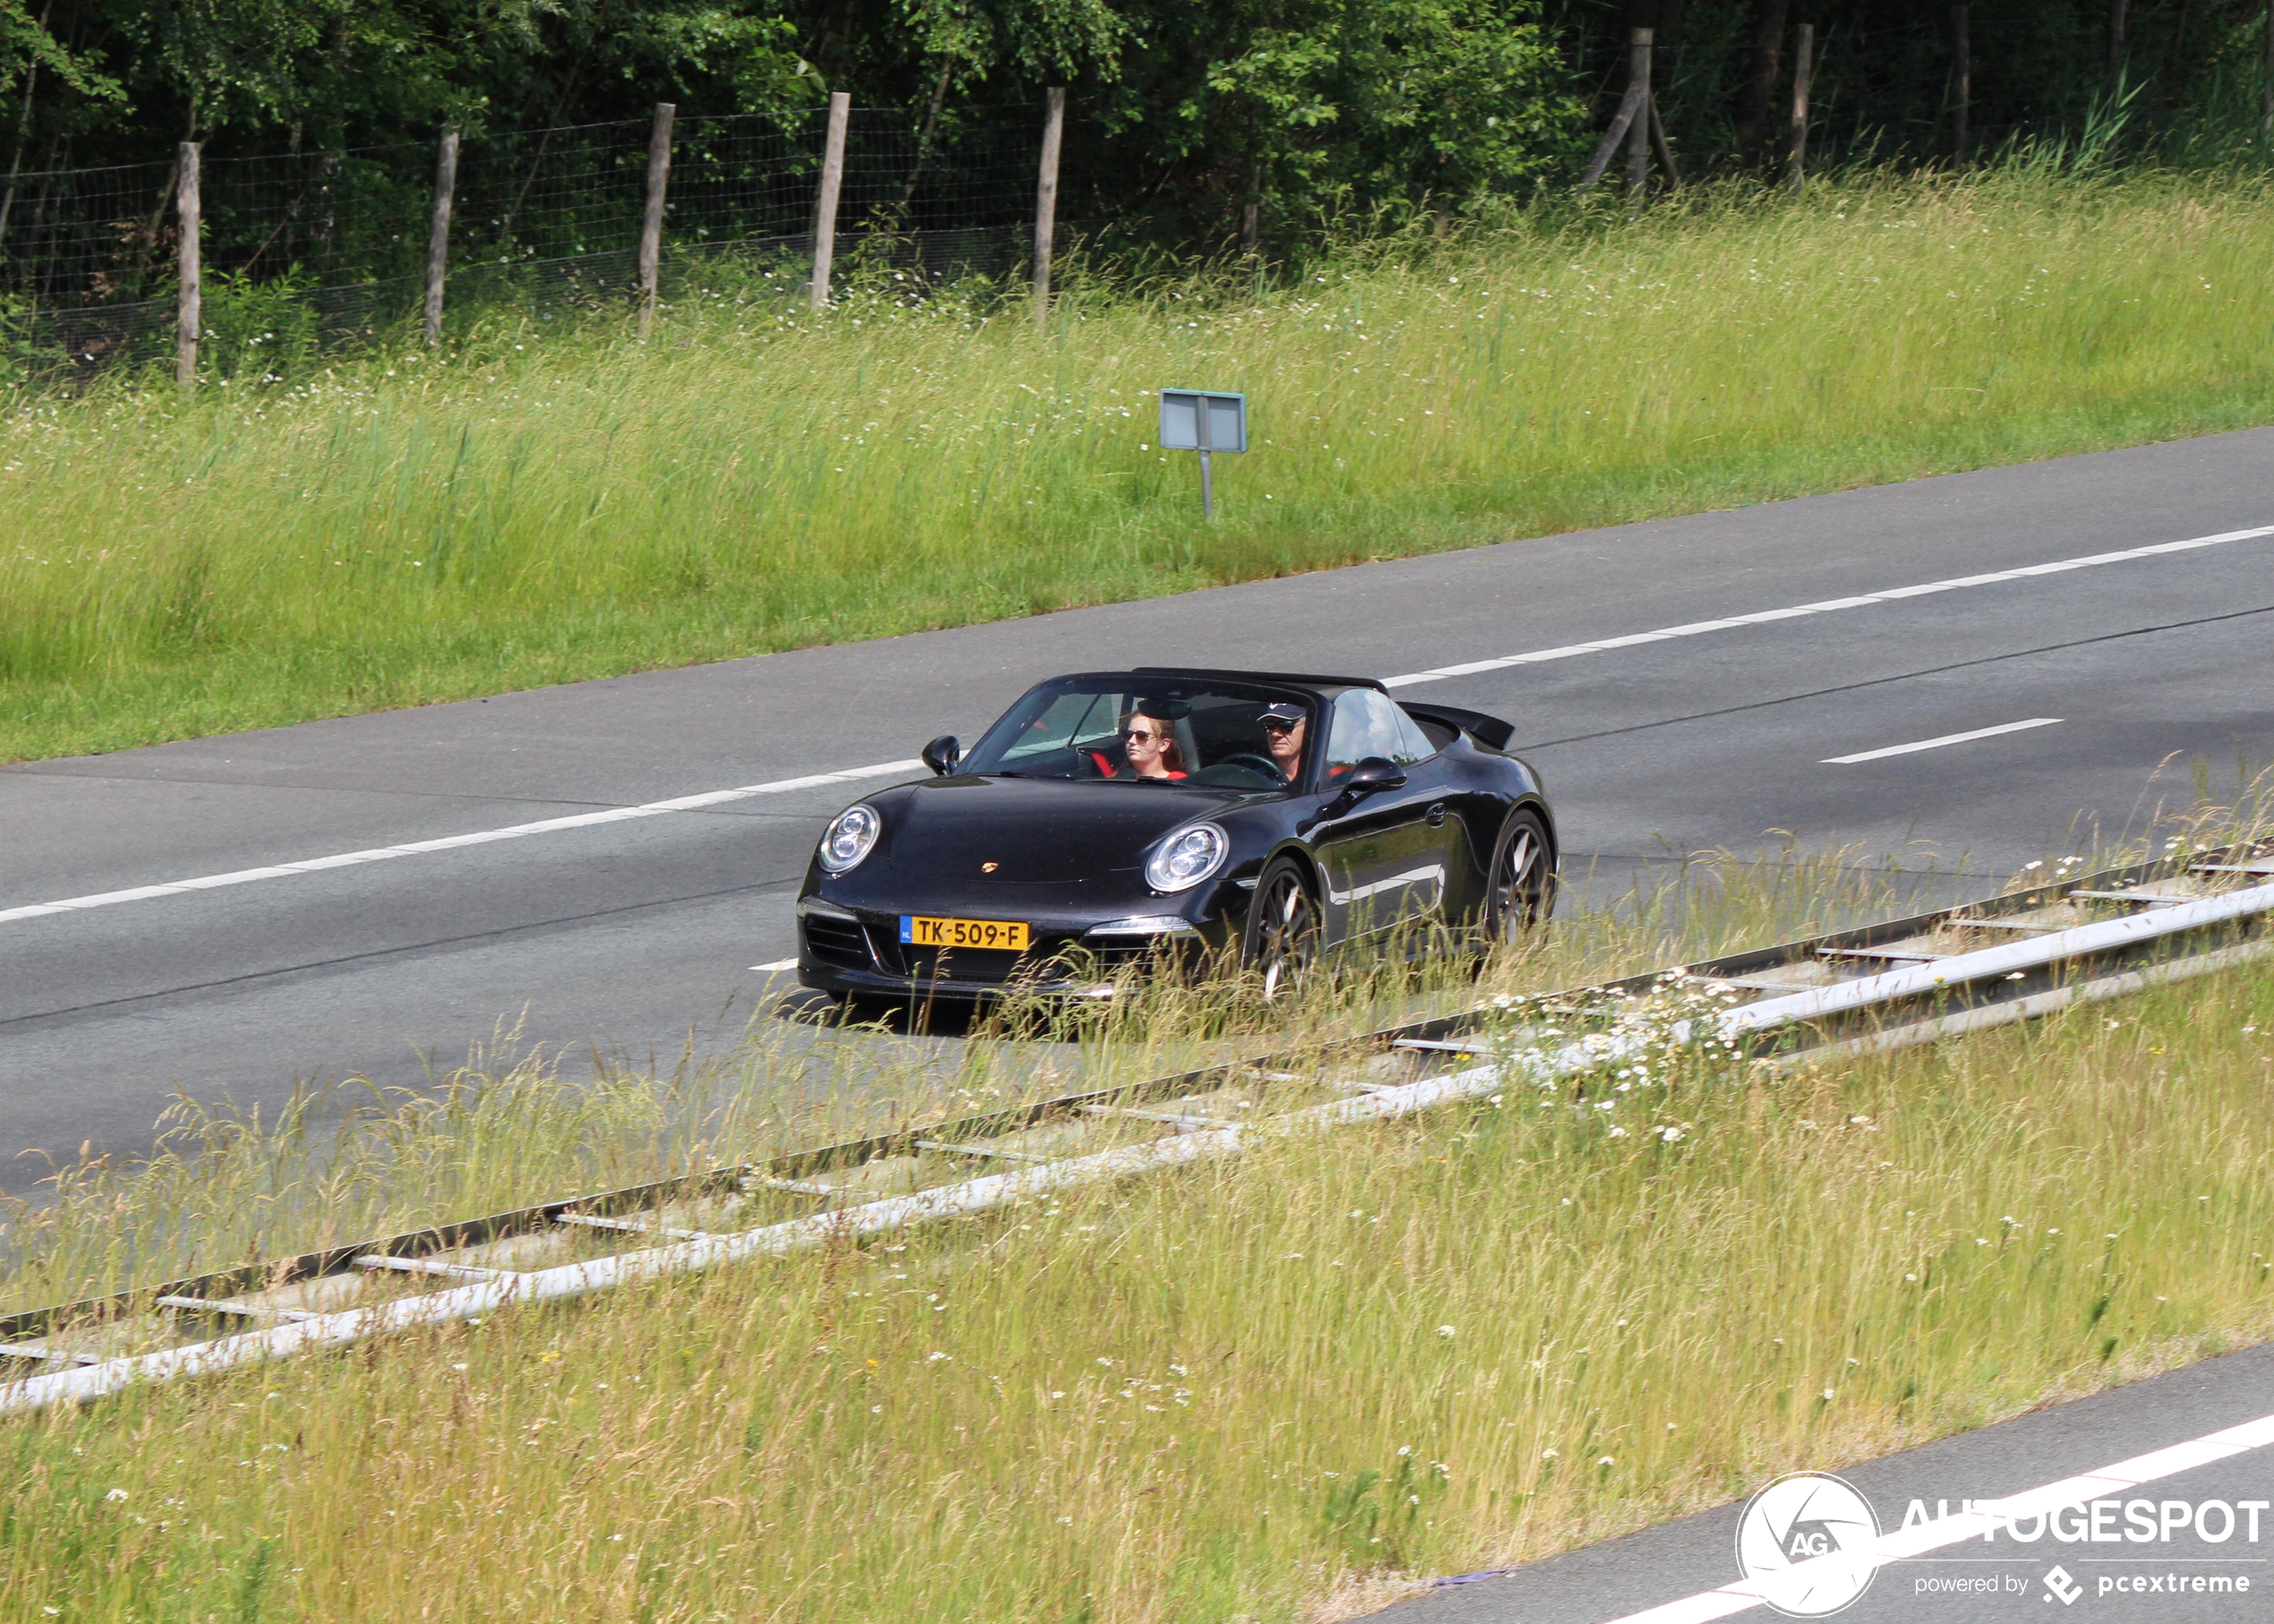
{"x":1282,"y":938}
{"x":1522,"y":892}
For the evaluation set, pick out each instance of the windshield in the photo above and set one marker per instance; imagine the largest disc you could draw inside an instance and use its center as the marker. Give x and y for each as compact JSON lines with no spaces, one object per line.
{"x":1208,"y":732}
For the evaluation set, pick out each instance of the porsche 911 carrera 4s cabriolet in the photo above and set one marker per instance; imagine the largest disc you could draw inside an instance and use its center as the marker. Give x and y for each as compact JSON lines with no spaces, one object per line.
{"x":1114,"y":818}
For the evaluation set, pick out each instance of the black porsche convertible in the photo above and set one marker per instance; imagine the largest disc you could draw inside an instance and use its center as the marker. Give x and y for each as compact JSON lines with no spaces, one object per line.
{"x":1113,"y":817}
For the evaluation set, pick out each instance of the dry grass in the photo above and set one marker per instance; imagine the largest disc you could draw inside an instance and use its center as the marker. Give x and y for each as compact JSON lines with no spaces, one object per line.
{"x":1252,"y":1389}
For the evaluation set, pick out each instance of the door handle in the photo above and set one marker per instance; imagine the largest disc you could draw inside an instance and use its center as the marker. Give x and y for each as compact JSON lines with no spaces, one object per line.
{"x":1437,"y":815}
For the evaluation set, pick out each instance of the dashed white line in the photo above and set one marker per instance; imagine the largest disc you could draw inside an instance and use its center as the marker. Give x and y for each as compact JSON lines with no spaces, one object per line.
{"x":690,"y":803}
{"x":777,"y":967}
{"x":1936,"y":744}
{"x":380,"y":854}
{"x":1987,"y":1517}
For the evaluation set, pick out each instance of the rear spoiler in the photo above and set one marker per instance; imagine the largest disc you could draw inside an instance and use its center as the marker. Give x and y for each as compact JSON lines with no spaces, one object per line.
{"x":1490,"y":732}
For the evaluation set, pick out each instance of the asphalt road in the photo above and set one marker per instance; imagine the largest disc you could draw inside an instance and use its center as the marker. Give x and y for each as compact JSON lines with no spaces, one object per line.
{"x":638,"y":934}
{"x":2037,"y":1577}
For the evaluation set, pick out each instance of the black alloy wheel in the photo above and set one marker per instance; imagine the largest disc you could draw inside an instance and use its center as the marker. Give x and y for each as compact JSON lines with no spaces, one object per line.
{"x":1522,"y":894}
{"x":1282,"y":940}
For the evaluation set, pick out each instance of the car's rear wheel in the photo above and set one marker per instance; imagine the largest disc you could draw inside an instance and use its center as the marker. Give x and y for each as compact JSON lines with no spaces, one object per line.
{"x":1282,"y":939}
{"x":1522,"y":891}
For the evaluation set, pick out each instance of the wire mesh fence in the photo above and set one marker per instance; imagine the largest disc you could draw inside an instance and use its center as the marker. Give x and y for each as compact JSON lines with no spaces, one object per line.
{"x":321,"y":250}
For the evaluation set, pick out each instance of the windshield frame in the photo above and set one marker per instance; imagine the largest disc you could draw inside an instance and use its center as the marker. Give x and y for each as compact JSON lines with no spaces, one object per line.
{"x":1006,"y":729}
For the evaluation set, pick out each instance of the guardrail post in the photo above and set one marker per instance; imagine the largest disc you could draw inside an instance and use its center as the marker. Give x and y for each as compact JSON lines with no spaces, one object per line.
{"x":189,"y":297}
{"x":651,"y":222}
{"x":1046,"y":196}
{"x":825,"y":213}
{"x":438,"y":237}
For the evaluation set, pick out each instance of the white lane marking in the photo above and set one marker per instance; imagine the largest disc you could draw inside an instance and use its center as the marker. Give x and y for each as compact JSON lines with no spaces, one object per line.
{"x":777,"y":967}
{"x":691,"y":802}
{"x":380,"y":854}
{"x":1936,"y":744}
{"x":1987,"y":1517}
{"x":1893,"y":595}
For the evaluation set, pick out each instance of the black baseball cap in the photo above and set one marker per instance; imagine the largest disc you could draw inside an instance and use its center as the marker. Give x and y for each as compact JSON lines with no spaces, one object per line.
{"x":1283,"y":712}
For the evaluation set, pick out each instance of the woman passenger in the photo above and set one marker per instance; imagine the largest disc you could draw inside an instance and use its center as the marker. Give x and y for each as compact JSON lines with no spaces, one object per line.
{"x":1150,"y":742}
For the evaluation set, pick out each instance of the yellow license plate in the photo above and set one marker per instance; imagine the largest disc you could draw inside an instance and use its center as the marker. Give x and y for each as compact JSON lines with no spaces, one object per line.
{"x":1002,"y":936}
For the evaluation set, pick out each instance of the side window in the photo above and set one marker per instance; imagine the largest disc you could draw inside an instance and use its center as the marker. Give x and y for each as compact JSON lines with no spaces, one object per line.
{"x":1366,"y":723}
{"x":1413,"y":744}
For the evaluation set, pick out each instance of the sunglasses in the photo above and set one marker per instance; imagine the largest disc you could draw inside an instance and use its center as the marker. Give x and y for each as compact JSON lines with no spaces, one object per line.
{"x":1273,"y":725}
{"x":1134,"y":737}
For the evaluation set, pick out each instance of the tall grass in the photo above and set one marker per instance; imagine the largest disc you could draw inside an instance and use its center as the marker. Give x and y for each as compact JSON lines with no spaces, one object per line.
{"x":533,"y":508}
{"x":1419,"y":1348}
{"x":227,"y":1187}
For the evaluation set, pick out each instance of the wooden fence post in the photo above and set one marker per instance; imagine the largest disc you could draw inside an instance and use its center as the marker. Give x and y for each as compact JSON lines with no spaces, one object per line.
{"x":1638,"y":127}
{"x":1630,"y":108}
{"x":438,"y":236}
{"x":2266,"y":75}
{"x":824,"y":211}
{"x":1962,"y":82}
{"x":188,"y":295}
{"x":1046,"y":196}
{"x":651,"y":221}
{"x":1662,"y":147}
{"x":1803,"y":69}
{"x":2115,"y":48}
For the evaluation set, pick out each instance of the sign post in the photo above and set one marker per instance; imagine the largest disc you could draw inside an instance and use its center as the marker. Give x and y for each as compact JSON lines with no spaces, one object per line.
{"x":1207,"y":422}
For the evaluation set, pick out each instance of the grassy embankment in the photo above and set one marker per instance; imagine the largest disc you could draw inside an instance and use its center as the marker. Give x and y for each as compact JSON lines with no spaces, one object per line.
{"x":1448,"y":1344}
{"x":523,"y":512}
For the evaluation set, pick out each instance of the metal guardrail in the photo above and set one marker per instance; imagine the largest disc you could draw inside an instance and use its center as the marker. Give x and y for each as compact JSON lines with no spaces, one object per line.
{"x":1879,"y":986}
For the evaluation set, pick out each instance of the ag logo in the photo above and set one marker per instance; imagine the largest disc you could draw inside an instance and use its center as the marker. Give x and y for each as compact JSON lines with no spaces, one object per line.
{"x":1788,"y":1530}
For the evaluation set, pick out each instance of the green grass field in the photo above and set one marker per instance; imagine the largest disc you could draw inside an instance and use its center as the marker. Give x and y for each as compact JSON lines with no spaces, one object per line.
{"x":1254,"y":1390}
{"x":541,"y":507}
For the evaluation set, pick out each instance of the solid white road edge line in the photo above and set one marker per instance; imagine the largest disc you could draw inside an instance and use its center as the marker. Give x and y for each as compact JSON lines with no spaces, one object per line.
{"x":1987,"y":1517}
{"x":1936,"y":744}
{"x":1896,"y":595}
{"x":690,"y":803}
{"x":380,"y":854}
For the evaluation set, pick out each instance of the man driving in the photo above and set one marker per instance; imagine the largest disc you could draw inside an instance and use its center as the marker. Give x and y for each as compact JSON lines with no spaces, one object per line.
{"x":1284,"y":726}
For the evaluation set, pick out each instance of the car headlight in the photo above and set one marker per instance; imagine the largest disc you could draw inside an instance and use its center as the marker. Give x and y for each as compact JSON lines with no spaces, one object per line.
{"x":850,"y":836}
{"x":1187,"y":857}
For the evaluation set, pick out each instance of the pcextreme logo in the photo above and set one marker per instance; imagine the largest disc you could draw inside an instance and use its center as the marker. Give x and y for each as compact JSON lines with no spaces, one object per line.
{"x":1791,"y":1536}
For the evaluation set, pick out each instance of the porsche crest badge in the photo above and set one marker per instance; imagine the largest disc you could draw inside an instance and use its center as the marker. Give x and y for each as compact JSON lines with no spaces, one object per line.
{"x":989,"y":867}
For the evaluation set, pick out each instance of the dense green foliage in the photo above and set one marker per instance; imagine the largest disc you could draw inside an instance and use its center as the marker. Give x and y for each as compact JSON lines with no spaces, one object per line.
{"x":1205,"y":122}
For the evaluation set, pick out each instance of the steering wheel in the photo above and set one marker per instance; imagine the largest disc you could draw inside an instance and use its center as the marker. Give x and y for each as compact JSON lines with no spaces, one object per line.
{"x":1254,"y":762}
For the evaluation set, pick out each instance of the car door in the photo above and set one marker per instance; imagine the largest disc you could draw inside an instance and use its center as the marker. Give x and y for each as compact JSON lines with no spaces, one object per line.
{"x":1386,"y":858}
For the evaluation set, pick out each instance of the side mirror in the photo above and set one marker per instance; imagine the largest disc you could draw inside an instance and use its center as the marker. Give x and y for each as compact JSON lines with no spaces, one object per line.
{"x":943,"y":753}
{"x":1375,"y":772}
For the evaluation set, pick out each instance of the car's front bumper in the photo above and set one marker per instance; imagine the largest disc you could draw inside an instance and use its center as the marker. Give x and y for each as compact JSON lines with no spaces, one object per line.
{"x":857,"y":952}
